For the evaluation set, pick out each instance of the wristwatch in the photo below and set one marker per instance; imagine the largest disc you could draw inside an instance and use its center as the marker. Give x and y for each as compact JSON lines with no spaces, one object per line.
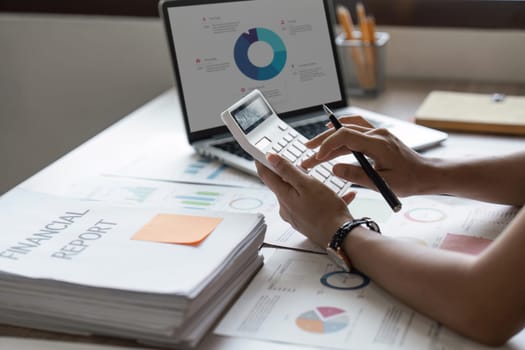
{"x":335,"y":247}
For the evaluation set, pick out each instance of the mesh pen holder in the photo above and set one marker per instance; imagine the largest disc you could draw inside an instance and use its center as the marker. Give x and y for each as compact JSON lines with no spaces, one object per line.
{"x":363,"y":64}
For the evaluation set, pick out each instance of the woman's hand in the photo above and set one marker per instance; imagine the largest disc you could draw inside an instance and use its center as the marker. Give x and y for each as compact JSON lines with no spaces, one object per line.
{"x":309,"y":206}
{"x":405,"y":171}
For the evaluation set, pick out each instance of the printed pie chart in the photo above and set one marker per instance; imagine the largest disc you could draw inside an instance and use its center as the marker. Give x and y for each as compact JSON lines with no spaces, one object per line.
{"x":425,"y":215}
{"x":322,"y":320}
{"x":246,"y":203}
{"x":247,"y":39}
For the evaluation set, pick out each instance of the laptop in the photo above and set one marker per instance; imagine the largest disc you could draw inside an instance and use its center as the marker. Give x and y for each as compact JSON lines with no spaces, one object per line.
{"x":223,"y":49}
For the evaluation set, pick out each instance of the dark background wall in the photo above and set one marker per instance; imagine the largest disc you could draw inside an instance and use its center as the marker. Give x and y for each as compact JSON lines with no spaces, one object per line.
{"x":507,"y":14}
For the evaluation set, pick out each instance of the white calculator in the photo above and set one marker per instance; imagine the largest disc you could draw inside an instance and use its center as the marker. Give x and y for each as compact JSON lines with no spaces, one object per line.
{"x":258,"y":130}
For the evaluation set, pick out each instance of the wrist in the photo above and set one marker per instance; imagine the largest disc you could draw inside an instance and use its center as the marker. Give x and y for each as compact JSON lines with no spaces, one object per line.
{"x":333,"y":227}
{"x":435,"y":174}
{"x":336,"y":248}
{"x":358,"y":243}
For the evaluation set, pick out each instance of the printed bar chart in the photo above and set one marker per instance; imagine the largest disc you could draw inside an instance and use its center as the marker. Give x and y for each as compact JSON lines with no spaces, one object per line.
{"x":199,"y":201}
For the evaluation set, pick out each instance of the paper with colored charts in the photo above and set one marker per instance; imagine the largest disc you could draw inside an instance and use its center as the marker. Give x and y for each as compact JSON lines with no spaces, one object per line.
{"x":444,"y":222}
{"x":301,"y":298}
{"x":450,"y":223}
{"x":170,"y":159}
{"x":436,"y":221}
{"x":197,"y":198}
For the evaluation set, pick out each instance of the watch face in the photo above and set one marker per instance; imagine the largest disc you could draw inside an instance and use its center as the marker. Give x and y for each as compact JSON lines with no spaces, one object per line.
{"x":338,"y":258}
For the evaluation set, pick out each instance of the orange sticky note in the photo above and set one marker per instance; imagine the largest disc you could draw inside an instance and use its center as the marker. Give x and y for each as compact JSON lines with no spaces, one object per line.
{"x":179,"y":229}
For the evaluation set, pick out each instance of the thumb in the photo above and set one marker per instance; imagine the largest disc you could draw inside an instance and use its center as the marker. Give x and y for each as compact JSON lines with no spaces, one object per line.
{"x":286,"y":170}
{"x":349,"y":197}
{"x":353,"y":173}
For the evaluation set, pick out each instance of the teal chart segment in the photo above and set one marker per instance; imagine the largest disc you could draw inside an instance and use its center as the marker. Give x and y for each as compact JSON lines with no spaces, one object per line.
{"x":242,"y":45}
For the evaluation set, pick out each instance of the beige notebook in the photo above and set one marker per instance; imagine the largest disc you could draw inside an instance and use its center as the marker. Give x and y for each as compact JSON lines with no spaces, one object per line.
{"x":473,"y":112}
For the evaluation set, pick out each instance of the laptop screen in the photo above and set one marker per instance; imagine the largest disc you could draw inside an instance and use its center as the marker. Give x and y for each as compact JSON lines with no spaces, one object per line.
{"x":223,"y":50}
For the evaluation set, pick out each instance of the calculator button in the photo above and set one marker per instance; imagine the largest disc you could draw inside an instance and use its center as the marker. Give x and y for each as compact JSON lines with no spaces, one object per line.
{"x":282,"y":143}
{"x":293,"y":133}
{"x":288,"y":138}
{"x":338,"y":182}
{"x":277,"y":148}
{"x":290,"y":156}
{"x":295,"y":151}
{"x":326,"y":168}
{"x":301,"y":140}
{"x":323,"y":171}
{"x":316,"y":171}
{"x":332,"y":187}
{"x":282,"y":126}
{"x":317,"y":176}
{"x":299,"y":146}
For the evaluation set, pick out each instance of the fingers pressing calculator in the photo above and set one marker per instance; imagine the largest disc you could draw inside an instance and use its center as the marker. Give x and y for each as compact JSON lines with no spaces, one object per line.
{"x":259,"y":130}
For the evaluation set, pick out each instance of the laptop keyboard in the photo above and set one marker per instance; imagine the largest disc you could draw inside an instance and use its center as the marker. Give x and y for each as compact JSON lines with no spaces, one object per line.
{"x":312,"y":129}
{"x":308,"y":130}
{"x":233,"y":148}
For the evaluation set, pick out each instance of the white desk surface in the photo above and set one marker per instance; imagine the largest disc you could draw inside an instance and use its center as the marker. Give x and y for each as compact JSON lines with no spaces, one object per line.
{"x":161,"y":118}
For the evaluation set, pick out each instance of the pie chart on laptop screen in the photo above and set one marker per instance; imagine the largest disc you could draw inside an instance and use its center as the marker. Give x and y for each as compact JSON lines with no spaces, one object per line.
{"x":245,"y":64}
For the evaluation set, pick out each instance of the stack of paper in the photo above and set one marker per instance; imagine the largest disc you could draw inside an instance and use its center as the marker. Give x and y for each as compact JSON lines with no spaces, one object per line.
{"x":89,"y":268}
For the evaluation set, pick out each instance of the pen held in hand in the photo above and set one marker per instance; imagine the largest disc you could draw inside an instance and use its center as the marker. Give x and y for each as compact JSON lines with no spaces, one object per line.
{"x":378,"y":181}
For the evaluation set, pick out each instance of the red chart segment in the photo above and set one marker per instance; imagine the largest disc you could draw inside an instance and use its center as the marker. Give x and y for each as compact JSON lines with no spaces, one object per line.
{"x":327,"y":311}
{"x":322,"y":320}
{"x":465,"y":244}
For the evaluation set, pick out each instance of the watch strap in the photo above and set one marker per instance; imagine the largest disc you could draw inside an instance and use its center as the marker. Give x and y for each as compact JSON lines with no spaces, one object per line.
{"x":335,"y":247}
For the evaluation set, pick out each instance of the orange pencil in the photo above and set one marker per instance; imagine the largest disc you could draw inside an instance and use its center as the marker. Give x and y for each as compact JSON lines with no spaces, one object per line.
{"x":371,"y":28}
{"x":371,"y":21}
{"x":367,"y":40}
{"x":345,"y":20}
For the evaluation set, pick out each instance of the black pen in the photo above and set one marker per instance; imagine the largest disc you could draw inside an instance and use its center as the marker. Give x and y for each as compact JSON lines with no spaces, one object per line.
{"x":378,"y":181}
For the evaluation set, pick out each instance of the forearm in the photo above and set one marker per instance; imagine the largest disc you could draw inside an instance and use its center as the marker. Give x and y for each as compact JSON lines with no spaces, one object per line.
{"x":449,"y":287}
{"x":495,"y":179}
{"x":423,"y":278}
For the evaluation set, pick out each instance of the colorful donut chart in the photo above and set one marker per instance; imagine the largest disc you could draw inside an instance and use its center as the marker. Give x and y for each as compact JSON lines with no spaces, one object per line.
{"x":252,"y":71}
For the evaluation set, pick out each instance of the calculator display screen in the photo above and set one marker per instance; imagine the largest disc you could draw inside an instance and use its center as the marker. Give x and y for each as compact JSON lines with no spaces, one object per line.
{"x":251,"y":114}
